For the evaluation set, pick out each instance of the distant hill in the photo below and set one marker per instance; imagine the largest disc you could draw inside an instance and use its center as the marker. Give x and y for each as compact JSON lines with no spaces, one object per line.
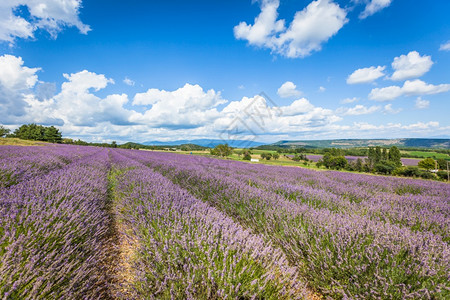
{"x":207,"y":143}
{"x":352,"y":143}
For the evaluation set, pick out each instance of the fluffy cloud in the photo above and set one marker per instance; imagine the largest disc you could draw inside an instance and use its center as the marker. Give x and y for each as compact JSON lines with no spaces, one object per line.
{"x":389,"y":110}
{"x":349,"y":100}
{"x":49,"y":15}
{"x":265,"y":26}
{"x":310,"y":28}
{"x":16,"y":81}
{"x":189,"y":106}
{"x":77,"y":105}
{"x":419,"y":127}
{"x":128,"y":81}
{"x":365,"y":75}
{"x":189,"y":111}
{"x":410,"y":66}
{"x":255,"y":116}
{"x":421,"y":103}
{"x":288,"y":89}
{"x":373,"y":6}
{"x":409,"y":88}
{"x":357,"y":110}
{"x":445,"y":46}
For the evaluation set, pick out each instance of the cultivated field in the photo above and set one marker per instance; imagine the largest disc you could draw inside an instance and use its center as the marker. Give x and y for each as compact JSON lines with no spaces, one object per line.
{"x":87,"y":223}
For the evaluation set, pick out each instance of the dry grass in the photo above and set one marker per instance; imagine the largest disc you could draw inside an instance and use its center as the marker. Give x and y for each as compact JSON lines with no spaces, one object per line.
{"x":19,"y":142}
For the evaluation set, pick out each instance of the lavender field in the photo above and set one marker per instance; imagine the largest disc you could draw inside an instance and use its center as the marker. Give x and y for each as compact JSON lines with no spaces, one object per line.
{"x":96,"y":223}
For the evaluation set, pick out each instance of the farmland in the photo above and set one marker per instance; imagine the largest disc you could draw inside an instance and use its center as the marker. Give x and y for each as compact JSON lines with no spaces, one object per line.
{"x":85,"y":222}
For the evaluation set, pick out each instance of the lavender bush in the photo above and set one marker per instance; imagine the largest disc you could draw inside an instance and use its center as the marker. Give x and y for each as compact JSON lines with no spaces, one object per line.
{"x":343,"y":252}
{"x":186,"y":249}
{"x":54,"y":234}
{"x":88,"y":223}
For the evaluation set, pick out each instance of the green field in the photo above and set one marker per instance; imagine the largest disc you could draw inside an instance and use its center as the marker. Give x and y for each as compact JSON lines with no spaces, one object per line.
{"x":425,"y":154}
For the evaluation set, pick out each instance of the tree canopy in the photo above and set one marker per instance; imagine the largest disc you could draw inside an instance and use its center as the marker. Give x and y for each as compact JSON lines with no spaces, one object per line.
{"x":4,"y":131}
{"x":222,"y":150}
{"x":38,"y":133}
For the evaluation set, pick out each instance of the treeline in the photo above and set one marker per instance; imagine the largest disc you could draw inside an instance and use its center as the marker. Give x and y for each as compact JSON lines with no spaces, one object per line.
{"x":385,"y":161}
{"x":34,"y":132}
{"x":320,"y":151}
{"x":345,"y":152}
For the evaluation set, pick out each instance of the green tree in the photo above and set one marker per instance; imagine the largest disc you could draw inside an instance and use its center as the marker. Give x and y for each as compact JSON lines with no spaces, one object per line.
{"x":222,"y":150}
{"x":339,"y":162}
{"x":442,"y":164}
{"x":247,"y":155}
{"x":4,"y":131}
{"x":359,"y":166}
{"x":52,"y":134}
{"x":378,"y":154}
{"x":276,"y":156}
{"x":385,"y":154}
{"x":427,"y":163}
{"x":30,"y":132}
{"x":395,"y":156}
{"x":385,"y":167}
{"x":297,"y":157}
{"x":334,"y":162}
{"x":266,"y":156}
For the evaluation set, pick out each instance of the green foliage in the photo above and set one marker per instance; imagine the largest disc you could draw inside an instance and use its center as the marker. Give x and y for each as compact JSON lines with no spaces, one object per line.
{"x":442,"y":164}
{"x":38,"y":133}
{"x":427,"y":164}
{"x":222,"y":150}
{"x":442,"y":175}
{"x":4,"y":131}
{"x":395,"y":156}
{"x":266,"y":156}
{"x":276,"y":156}
{"x":247,"y":156}
{"x":359,"y":165}
{"x":411,"y":171}
{"x":334,"y":162}
{"x":385,"y":167}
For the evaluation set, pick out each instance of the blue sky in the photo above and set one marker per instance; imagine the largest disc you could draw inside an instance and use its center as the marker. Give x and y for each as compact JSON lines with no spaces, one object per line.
{"x":262,"y":70}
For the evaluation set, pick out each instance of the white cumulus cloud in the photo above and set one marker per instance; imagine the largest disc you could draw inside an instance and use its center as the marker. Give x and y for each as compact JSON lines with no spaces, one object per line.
{"x":445,"y":46}
{"x":409,"y":88}
{"x":288,"y":89}
{"x":49,"y":15}
{"x":422,"y":103}
{"x":265,"y":26}
{"x":357,"y":110}
{"x":410,"y":66}
{"x":189,"y":106}
{"x":16,"y":80}
{"x":365,"y":75}
{"x":349,"y":100}
{"x":128,"y":81}
{"x":189,"y":111}
{"x":373,"y":6}
{"x":310,"y":28}
{"x":389,"y":110}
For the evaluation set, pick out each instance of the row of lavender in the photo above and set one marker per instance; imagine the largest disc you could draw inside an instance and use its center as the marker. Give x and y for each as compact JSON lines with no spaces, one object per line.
{"x":417,"y":205}
{"x":185,"y":249}
{"x":55,"y":226}
{"x":348,"y":235}
{"x":336,"y":228}
{"x":19,"y":163}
